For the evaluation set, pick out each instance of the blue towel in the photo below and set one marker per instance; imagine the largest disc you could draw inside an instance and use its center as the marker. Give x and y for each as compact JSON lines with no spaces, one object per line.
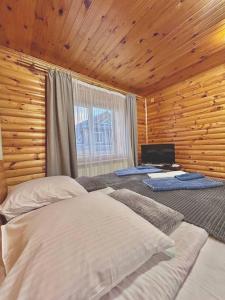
{"x":171,"y":184}
{"x":189,"y":176}
{"x":135,"y":171}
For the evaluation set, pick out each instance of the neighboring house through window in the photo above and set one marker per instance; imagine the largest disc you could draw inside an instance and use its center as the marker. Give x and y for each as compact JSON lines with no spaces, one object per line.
{"x":93,"y":126}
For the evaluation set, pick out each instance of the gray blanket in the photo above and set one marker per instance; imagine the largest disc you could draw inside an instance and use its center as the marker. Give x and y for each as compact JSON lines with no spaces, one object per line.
{"x":163,"y":217}
{"x":203,"y":208}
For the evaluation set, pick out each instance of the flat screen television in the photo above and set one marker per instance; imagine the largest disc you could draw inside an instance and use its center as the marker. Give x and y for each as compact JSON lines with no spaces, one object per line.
{"x":158,"y":154}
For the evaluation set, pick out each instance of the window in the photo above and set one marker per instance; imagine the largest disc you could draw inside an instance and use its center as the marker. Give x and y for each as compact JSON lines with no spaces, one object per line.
{"x":102,"y":142}
{"x":93,"y":127}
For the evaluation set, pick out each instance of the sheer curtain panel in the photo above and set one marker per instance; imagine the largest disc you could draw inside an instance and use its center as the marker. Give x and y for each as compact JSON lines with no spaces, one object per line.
{"x":61,"y":139}
{"x":103,"y":144}
{"x":131,"y":123}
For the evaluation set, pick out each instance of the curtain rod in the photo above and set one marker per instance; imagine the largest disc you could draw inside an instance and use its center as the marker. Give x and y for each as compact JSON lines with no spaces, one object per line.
{"x":36,"y":64}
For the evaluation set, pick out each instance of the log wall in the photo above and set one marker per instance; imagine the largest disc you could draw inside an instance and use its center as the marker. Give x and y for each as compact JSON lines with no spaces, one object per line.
{"x":3,"y":185}
{"x":191,"y":114}
{"x":23,"y":115}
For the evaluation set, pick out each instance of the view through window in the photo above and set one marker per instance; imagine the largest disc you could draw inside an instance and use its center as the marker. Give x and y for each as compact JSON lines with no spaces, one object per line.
{"x":94,"y":131}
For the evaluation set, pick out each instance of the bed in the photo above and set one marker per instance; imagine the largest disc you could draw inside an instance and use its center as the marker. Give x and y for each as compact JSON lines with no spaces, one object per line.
{"x":195,"y":269}
{"x":204,"y":208}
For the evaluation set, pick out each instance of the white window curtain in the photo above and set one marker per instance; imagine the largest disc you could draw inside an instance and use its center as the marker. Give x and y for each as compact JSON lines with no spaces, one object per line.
{"x":102,"y":143}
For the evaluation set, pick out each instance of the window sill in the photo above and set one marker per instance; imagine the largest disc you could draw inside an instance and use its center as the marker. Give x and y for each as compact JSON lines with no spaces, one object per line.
{"x":100,"y":160}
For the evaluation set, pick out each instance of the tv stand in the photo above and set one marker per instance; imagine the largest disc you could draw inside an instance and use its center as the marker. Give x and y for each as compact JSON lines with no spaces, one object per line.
{"x":172,"y":167}
{"x":152,"y":165}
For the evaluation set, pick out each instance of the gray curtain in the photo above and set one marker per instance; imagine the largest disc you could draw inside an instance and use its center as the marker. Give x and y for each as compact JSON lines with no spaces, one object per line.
{"x":61,"y":138}
{"x":131,"y":121}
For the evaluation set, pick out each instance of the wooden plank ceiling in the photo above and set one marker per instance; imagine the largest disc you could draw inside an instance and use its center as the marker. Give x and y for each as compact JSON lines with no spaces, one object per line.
{"x":137,"y":45}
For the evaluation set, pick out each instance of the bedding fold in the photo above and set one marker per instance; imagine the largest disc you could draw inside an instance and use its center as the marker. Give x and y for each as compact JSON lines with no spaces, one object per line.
{"x":161,"y":278}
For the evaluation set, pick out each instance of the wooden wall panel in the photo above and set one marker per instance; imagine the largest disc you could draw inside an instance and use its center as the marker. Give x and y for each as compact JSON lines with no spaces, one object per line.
{"x":191,"y":114}
{"x":22,"y":115}
{"x":3,"y":185}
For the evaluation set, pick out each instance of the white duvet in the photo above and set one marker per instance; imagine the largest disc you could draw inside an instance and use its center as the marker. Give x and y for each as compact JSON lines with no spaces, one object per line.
{"x":205,"y":281}
{"x":161,"y":279}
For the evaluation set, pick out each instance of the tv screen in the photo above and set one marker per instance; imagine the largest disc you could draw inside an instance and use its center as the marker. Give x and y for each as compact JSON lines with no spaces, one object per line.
{"x":158,"y":154}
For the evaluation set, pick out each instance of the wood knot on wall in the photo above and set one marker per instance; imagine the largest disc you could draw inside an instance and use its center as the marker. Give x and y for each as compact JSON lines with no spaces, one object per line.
{"x":87,"y":3}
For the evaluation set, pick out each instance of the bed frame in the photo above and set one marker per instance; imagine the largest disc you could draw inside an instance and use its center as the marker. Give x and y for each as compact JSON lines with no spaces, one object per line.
{"x":3,"y":183}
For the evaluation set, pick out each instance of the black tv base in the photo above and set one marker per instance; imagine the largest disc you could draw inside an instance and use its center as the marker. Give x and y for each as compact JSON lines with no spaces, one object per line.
{"x":172,"y":167}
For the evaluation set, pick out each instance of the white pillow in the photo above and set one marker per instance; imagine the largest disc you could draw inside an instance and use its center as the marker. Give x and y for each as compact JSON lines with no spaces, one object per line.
{"x":36,"y":193}
{"x":76,"y":249}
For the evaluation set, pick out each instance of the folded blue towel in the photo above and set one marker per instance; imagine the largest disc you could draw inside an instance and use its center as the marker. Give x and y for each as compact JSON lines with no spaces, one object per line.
{"x":189,"y":176}
{"x":171,"y":184}
{"x":135,"y":171}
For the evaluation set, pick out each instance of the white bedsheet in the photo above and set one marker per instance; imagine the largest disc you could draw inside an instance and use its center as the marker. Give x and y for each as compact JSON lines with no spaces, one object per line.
{"x":206,"y":281}
{"x":161,"y":279}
